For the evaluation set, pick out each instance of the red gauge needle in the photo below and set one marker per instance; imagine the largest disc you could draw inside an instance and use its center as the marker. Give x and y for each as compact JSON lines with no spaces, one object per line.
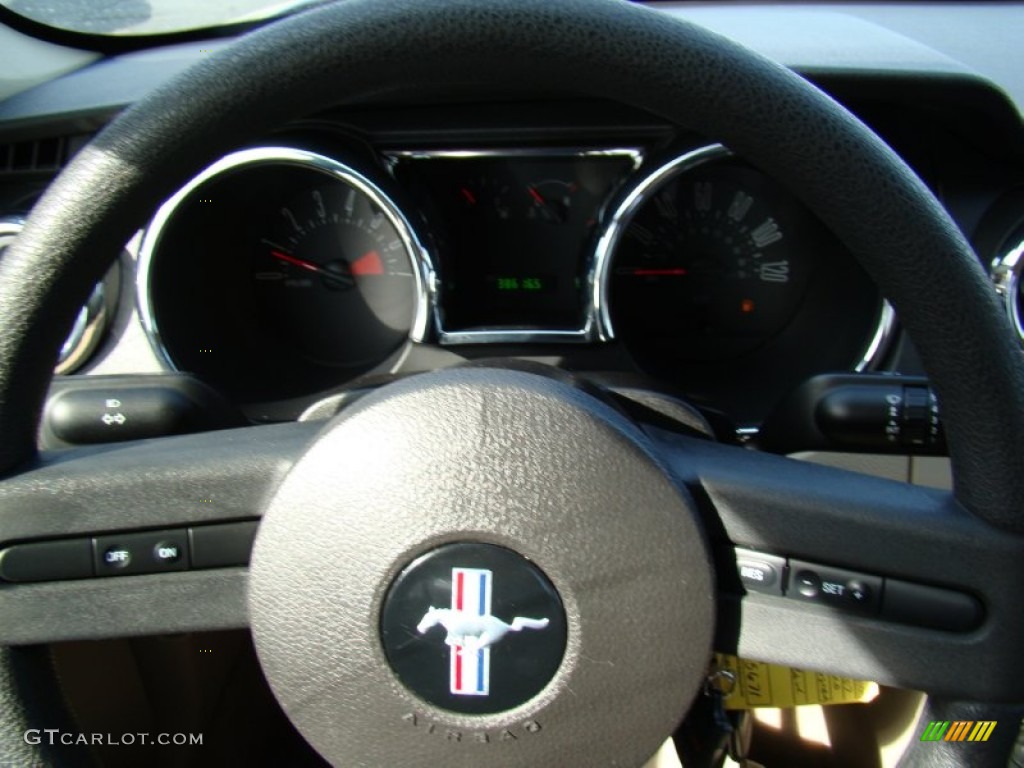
{"x":537,"y":197}
{"x":666,"y":272}
{"x":369,"y":263}
{"x":301,"y":263}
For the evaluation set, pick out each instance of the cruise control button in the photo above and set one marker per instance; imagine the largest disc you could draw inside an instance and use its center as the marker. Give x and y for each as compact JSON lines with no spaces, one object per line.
{"x":859,"y":592}
{"x":117,"y":557}
{"x":835,"y":587}
{"x":760,"y":572}
{"x":167,"y":552}
{"x":147,"y":552}
{"x":807,"y":583}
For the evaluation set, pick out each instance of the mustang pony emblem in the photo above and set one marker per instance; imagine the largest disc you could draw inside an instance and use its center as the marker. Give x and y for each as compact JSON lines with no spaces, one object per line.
{"x":472,"y":630}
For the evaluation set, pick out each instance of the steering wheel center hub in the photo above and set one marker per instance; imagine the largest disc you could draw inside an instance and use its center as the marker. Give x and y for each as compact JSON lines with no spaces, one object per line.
{"x":473,"y":628}
{"x":481,"y":557}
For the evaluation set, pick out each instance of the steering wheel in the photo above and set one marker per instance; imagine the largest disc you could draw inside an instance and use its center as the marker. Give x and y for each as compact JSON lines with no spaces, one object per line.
{"x":623,"y":522}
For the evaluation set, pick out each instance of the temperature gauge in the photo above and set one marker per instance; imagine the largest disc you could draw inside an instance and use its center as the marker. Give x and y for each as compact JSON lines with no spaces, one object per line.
{"x":551,"y":200}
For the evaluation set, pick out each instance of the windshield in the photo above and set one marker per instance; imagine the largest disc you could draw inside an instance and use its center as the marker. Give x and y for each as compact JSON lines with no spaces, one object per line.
{"x":147,"y":17}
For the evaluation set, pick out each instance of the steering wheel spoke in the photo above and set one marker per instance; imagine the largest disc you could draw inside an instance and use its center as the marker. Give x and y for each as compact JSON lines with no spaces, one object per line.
{"x":878,"y":579}
{"x":137,"y":538}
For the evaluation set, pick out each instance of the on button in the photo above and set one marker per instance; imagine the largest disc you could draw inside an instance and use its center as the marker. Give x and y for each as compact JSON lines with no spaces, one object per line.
{"x":167,"y":552}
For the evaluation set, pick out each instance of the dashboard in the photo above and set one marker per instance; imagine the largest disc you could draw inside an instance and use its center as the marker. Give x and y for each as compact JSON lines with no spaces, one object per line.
{"x":389,"y":238}
{"x":417,"y":231}
{"x":292,"y":267}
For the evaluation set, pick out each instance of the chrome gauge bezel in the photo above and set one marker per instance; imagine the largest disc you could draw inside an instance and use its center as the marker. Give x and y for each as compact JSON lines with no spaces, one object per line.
{"x":85,"y":335}
{"x":422,"y":265}
{"x":92,"y":319}
{"x":1006,"y":274}
{"x":620,"y":219}
{"x":591,"y":328}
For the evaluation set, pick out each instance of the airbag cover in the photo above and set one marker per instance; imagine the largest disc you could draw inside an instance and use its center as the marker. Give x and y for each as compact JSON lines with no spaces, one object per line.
{"x":510,"y":459}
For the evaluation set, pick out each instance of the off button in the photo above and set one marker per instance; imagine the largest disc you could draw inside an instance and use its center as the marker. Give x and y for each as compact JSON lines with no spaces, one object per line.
{"x":117,"y":557}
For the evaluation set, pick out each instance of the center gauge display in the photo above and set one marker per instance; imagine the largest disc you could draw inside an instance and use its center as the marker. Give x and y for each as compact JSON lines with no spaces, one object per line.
{"x":517,"y":236}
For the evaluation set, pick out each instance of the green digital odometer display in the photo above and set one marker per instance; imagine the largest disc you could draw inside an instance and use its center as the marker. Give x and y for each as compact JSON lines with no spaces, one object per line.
{"x":525,"y":284}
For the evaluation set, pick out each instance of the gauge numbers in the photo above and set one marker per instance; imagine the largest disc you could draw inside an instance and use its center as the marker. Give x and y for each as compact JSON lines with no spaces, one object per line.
{"x":710,"y":261}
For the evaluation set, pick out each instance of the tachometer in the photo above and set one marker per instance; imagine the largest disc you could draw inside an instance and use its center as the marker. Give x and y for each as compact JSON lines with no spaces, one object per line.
{"x":279,"y":272}
{"x":333,"y":271}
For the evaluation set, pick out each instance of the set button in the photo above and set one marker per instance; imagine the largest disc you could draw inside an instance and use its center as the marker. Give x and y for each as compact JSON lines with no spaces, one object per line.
{"x":834,"y":587}
{"x":864,"y":594}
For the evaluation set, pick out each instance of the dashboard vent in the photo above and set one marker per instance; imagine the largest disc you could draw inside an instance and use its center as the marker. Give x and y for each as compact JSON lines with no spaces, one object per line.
{"x":39,"y":155}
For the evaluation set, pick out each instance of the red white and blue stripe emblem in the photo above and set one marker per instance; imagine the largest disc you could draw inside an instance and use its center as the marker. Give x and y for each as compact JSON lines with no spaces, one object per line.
{"x":471,"y":596}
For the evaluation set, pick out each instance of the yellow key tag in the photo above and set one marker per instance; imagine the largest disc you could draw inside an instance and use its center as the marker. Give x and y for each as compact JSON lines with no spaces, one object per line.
{"x":758,"y":684}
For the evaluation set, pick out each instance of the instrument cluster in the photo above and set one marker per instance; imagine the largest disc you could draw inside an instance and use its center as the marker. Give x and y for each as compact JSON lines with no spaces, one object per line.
{"x":283,"y":272}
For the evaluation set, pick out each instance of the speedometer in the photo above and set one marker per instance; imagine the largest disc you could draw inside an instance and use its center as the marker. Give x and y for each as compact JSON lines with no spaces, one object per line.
{"x":717,"y":279}
{"x":710,"y":261}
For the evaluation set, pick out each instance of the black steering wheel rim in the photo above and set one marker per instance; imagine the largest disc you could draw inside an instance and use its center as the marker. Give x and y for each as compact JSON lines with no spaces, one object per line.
{"x":362,"y":48}
{"x":850,"y":178}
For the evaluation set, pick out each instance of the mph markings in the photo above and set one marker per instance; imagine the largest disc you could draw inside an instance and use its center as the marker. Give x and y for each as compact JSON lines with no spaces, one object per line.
{"x":721,"y":230}
{"x":766,"y":233}
{"x":740,"y":205}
